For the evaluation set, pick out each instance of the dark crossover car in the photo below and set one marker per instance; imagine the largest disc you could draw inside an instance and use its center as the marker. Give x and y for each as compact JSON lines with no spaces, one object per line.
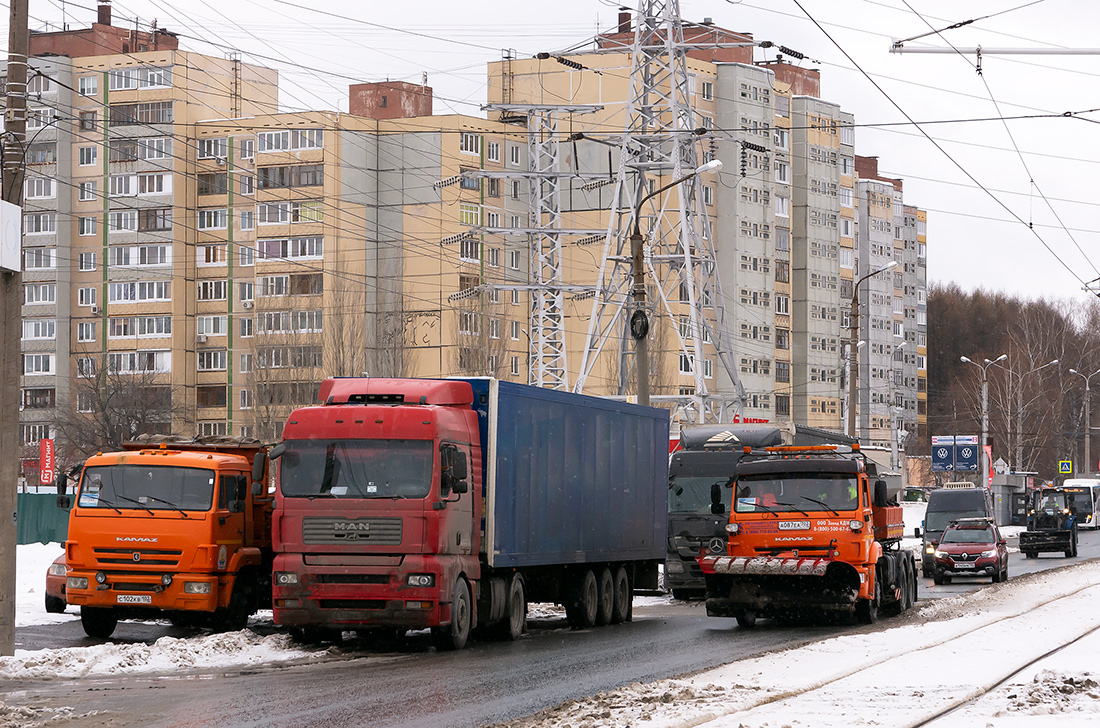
{"x":55,"y":585}
{"x":970,"y":547}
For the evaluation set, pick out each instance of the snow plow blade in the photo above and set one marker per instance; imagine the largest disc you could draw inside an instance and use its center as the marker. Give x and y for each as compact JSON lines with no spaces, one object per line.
{"x":1046,"y":540}
{"x":767,"y":586}
{"x":764,"y":565}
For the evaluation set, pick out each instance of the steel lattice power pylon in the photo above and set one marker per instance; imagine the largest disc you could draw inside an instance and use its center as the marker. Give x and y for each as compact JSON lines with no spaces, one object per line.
{"x":659,"y":140}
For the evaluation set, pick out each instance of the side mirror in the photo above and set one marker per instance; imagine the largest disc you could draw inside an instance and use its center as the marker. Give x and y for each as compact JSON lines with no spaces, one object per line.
{"x":717,"y":507}
{"x":454,"y":471}
{"x":460,"y":486}
{"x":276,"y":452}
{"x":257,"y":488}
{"x":458,"y":467}
{"x":64,"y":502}
{"x":880,"y":494}
{"x":1002,"y":542}
{"x":259,"y":466}
{"x":916,"y":532}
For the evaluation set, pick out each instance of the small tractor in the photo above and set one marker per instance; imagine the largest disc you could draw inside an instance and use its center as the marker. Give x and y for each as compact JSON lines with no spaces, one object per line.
{"x":1051,"y":524}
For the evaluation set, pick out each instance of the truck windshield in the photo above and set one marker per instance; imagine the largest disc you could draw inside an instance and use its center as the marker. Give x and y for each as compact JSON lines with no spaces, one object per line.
{"x":795,"y":492}
{"x":356,"y":468}
{"x":147,"y":488}
{"x":1054,"y":500}
{"x":691,"y":494}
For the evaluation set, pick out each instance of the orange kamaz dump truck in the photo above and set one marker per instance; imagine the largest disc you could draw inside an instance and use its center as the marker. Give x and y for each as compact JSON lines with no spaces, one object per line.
{"x":809,"y":535}
{"x":171,"y":529}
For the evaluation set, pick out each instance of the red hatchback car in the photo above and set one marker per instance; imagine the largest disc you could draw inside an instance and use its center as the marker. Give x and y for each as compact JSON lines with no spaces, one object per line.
{"x":971,"y":547}
{"x":55,"y":586}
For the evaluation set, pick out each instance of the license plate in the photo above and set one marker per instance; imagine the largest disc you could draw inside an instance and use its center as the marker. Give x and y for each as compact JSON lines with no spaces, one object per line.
{"x":964,"y":566}
{"x":134,"y":599}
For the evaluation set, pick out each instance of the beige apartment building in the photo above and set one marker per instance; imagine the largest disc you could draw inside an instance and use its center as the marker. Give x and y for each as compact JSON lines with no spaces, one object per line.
{"x":200,"y":261}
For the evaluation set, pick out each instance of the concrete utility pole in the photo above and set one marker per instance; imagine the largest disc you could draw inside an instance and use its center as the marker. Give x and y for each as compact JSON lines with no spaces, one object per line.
{"x":11,"y":307}
{"x":853,"y":358}
{"x":1088,"y":420}
{"x":985,"y":410}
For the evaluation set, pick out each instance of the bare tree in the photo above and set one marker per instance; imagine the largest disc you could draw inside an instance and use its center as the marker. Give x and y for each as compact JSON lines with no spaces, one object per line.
{"x":115,"y":398}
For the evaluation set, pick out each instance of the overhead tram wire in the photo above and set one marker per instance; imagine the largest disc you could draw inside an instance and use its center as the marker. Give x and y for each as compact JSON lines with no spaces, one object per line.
{"x":1011,"y":137}
{"x":936,"y":144}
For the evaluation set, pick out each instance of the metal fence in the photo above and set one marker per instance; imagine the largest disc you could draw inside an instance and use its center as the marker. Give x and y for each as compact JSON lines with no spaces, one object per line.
{"x":39,"y":520}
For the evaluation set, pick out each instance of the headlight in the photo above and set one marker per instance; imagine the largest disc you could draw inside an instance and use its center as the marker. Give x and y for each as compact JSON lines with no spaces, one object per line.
{"x":196,"y":587}
{"x":77,"y":582}
{"x":929,"y":549}
{"x":285,"y":578}
{"x":939,"y":554}
{"x":674,"y":567}
{"x":166,"y":579}
{"x":855,"y":525}
{"x":420,"y":580}
{"x":101,"y":577}
{"x":57,"y":570}
{"x":989,"y":554}
{"x":733,"y":528}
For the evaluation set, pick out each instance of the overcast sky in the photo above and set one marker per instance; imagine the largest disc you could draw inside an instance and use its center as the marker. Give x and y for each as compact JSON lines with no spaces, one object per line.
{"x":1042,"y":170}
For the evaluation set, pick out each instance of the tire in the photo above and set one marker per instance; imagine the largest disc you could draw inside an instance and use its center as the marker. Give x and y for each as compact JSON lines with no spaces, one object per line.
{"x":1031,"y":554}
{"x":455,"y":635}
{"x":937,"y":578}
{"x":606,"y":596}
{"x":1004,"y":574}
{"x":683,"y":595}
{"x":867,"y":609}
{"x":746,"y":620}
{"x":234,"y":617}
{"x":622,"y":606}
{"x":912,"y":586}
{"x":98,"y":622}
{"x":514,"y":624}
{"x":583,"y":601}
{"x":55,"y":605}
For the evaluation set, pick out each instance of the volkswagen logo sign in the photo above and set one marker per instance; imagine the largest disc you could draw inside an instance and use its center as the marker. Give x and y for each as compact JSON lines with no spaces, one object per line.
{"x":137,"y":556}
{"x":717,"y":545}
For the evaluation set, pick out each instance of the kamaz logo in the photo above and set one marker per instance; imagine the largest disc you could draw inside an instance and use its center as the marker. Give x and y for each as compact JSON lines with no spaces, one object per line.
{"x":795,"y":538}
{"x":135,"y":539}
{"x":350,"y":526}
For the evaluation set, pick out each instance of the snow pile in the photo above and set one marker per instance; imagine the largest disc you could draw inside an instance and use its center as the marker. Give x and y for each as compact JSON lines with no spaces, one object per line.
{"x":18,"y":716}
{"x":1053,"y":692}
{"x":168,"y":654}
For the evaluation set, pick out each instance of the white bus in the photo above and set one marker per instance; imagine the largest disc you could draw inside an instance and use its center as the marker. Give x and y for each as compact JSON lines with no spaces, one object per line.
{"x":1085,"y":495}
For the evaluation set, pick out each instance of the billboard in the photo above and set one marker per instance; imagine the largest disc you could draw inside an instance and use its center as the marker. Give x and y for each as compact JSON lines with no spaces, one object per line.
{"x":966,"y":453}
{"x":943,"y":453}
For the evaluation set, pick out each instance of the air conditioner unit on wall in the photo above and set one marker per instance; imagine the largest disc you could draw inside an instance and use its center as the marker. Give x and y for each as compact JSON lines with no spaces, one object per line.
{"x":201,"y":338}
{"x":247,"y":304}
{"x":95,"y":310}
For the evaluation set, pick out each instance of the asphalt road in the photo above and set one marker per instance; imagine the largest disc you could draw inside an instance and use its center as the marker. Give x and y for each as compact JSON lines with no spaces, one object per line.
{"x":413,"y":685}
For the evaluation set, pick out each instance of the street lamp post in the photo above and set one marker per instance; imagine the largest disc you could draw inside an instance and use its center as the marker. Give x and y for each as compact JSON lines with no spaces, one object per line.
{"x":1020,"y":413}
{"x":1088,"y":418}
{"x":639,"y":321}
{"x":853,"y":359}
{"x":985,"y":409}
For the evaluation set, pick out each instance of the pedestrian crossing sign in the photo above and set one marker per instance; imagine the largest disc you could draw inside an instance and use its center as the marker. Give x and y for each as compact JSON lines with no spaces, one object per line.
{"x":1065,"y":467}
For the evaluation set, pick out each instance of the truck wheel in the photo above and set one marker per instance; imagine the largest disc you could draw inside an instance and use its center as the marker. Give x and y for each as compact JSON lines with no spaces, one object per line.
{"x":746,"y":620}
{"x":912,"y":600}
{"x":455,"y":635}
{"x":514,"y":624}
{"x":98,"y":622}
{"x":606,"y":593}
{"x":583,"y":601}
{"x":235,"y":616}
{"x":1031,"y":554}
{"x":867,"y":609}
{"x":622,"y":606}
{"x":55,"y":605}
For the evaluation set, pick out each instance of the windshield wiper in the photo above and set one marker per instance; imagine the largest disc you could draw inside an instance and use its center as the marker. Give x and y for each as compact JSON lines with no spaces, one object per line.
{"x":169,"y":504}
{"x":766,"y":508}
{"x":137,"y":503}
{"x":792,"y":505}
{"x":821,"y":503}
{"x":109,"y":504}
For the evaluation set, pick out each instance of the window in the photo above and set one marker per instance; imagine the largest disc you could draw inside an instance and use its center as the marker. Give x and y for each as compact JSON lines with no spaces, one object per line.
{"x":85,"y":331}
{"x":122,"y":185}
{"x":782,"y":304}
{"x":155,"y":77}
{"x":515,"y":330}
{"x":212,"y":325}
{"x":846,"y":164}
{"x":783,"y":371}
{"x":212,"y":254}
{"x":493,"y":257}
{"x":246,"y":363}
{"x":248,"y":184}
{"x":492,"y":151}
{"x":513,"y":156}
{"x":247,"y":291}
{"x":88,"y":120}
{"x":210,"y":395}
{"x":469,"y":323}
{"x":782,"y":338}
{"x":155,"y":148}
{"x":86,"y":261}
{"x":39,"y":293}
{"x":470,"y":250}
{"x":39,"y":398}
{"x":212,"y":290}
{"x":469,"y":214}
{"x":273,"y":141}
{"x":515,"y":366}
{"x":39,"y":223}
{"x":247,"y":401}
{"x":212,"y":361}
{"x":245,"y":326}
{"x":38,"y":364}
{"x":87,"y":156}
{"x":31,"y":434}
{"x":213,"y":183}
{"x":782,"y":172}
{"x":515,"y":298}
{"x":139,"y":291}
{"x":847,"y":135}
{"x":130,"y":114}
{"x":38,"y":258}
{"x":248,"y":148}
{"x":469,"y":143}
{"x":494,"y":328}
{"x":492,"y":187}
{"x":782,"y":138}
{"x":469,"y":181}
{"x":123,"y":79}
{"x":39,"y":329}
{"x":121,"y":220}
{"x":88,"y":85}
{"x":707,"y":90}
{"x":782,"y":206}
{"x":708,"y":195}
{"x":782,"y":405}
{"x":248,"y":219}
{"x":305,"y":247}
{"x":687,"y":364}
{"x":213,"y":148}
{"x":38,"y":188}
{"x":154,"y":254}
{"x":513,"y":259}
{"x":847,"y":258}
{"x":213,"y":219}
{"x":155,"y":184}
{"x":301,"y":175}
{"x":87,"y":191}
{"x":246,"y":255}
{"x":85,"y":297}
{"x":157,"y":218}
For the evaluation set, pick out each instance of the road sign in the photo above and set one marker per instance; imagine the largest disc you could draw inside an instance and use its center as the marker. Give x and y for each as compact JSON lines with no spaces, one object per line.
{"x":1065,"y":467}
{"x":966,"y":452}
{"x":943,"y":453}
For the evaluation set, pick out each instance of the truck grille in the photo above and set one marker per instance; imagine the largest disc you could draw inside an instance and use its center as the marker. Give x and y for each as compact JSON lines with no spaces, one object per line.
{"x":138,"y":557}
{"x":352,"y":603}
{"x":318,"y":530}
{"x":352,"y":578}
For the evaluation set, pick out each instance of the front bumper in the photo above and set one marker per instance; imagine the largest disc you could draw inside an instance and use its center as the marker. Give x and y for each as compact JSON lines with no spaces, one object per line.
{"x":981,"y":567}
{"x":143,"y":592}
